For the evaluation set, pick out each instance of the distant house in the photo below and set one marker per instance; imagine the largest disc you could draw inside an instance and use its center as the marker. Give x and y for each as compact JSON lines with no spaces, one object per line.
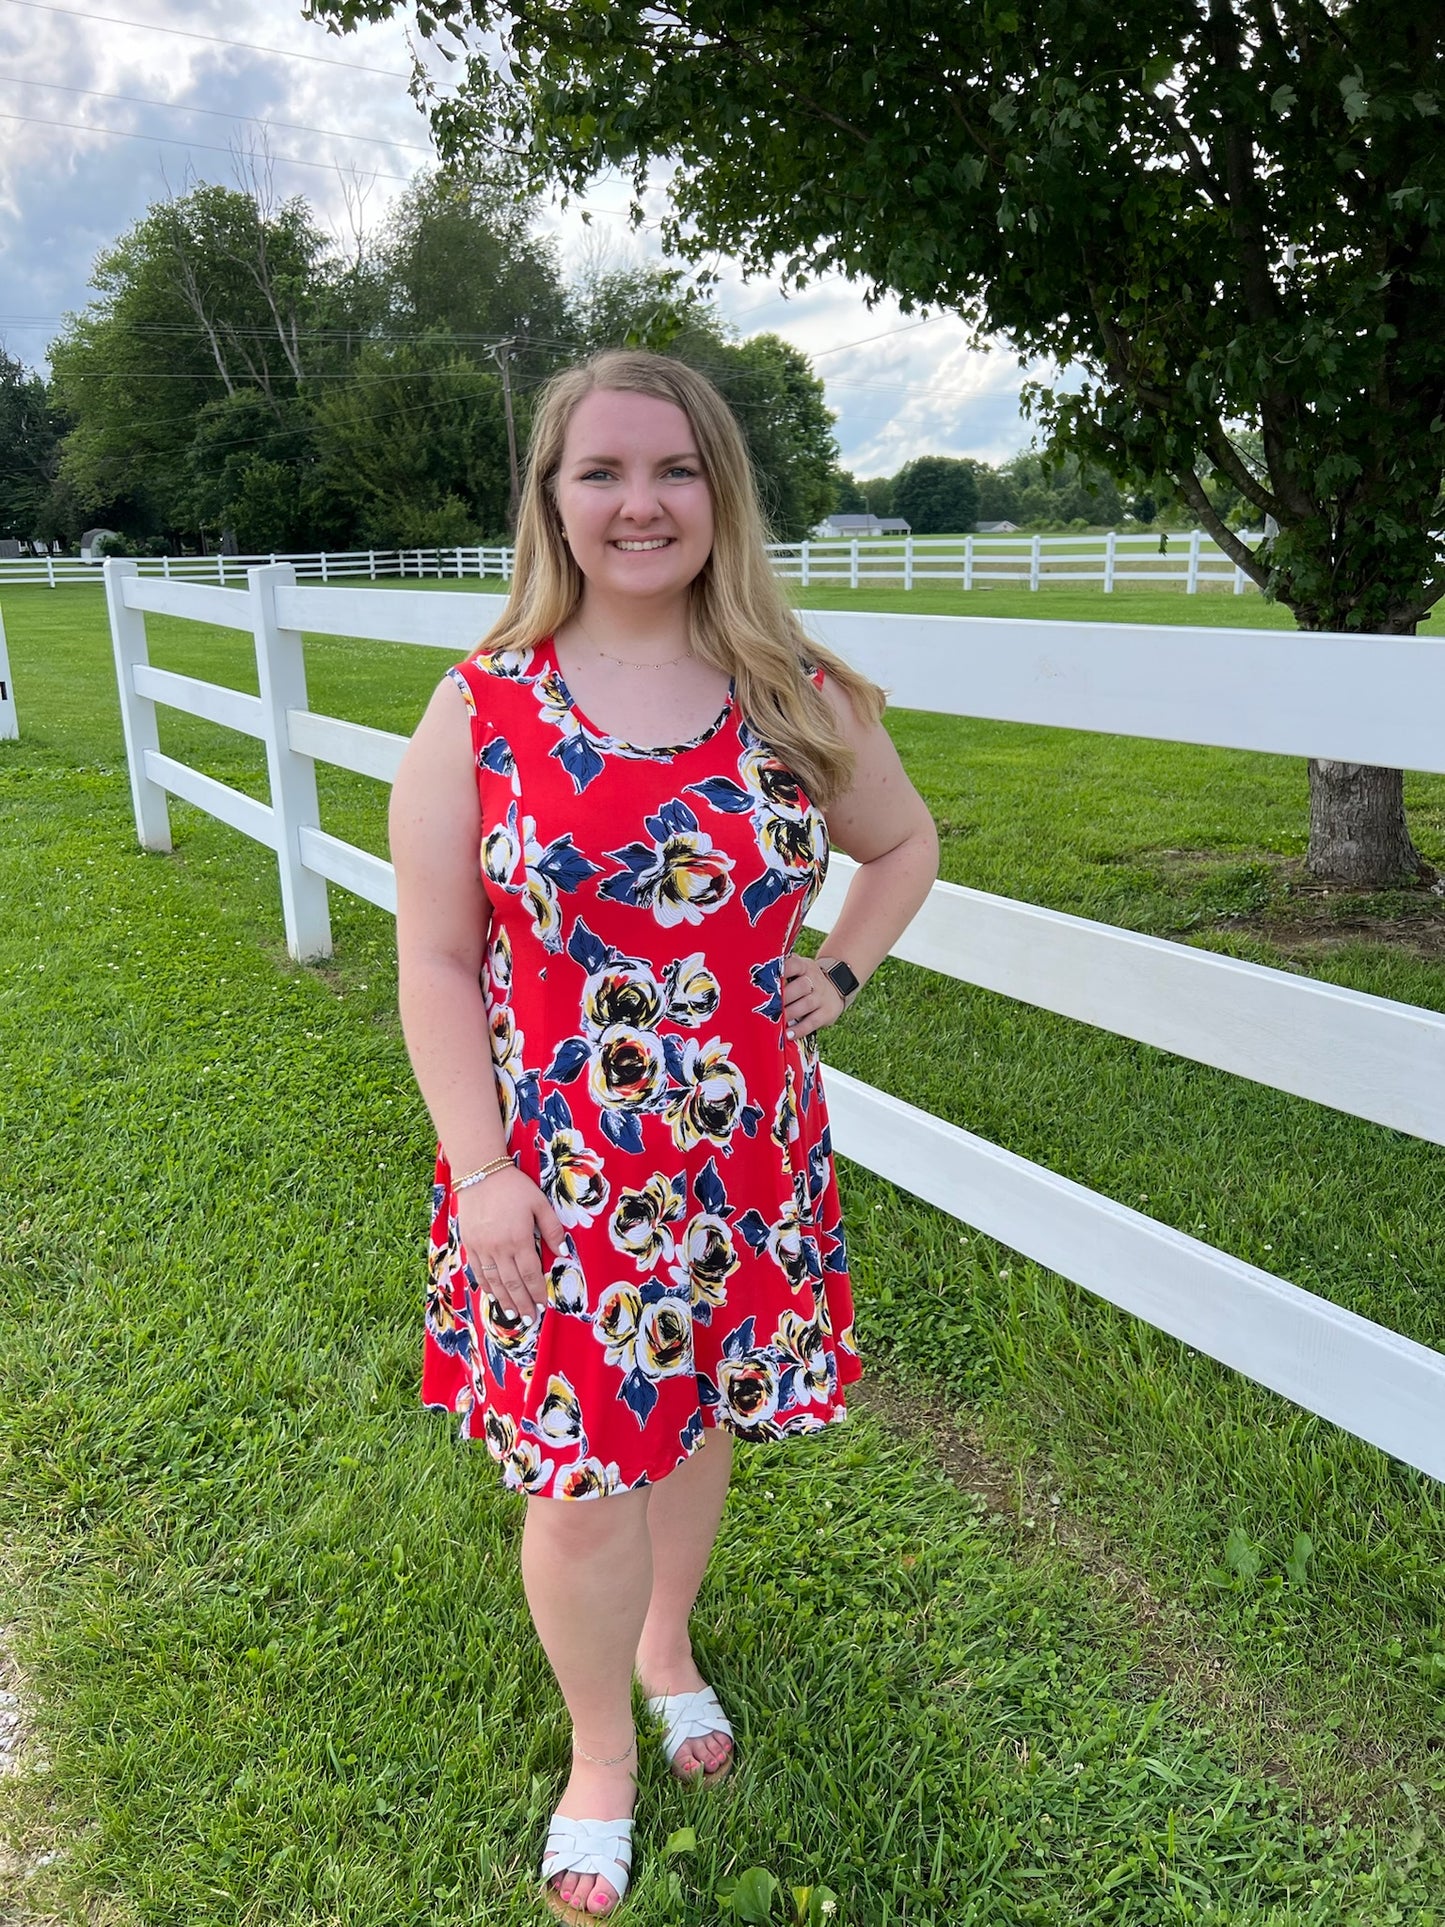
{"x":866,"y":525}
{"x":997,"y":528}
{"x":88,"y":542}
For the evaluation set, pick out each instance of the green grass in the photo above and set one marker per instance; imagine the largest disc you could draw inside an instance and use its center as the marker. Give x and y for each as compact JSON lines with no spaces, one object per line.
{"x":271,"y":1608}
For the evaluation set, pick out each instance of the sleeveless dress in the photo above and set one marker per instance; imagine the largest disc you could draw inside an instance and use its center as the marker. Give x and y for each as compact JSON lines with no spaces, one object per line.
{"x":642,"y":904}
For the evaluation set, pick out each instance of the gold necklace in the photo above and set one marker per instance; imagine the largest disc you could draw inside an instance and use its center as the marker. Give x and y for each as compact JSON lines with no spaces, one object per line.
{"x":627,"y":662}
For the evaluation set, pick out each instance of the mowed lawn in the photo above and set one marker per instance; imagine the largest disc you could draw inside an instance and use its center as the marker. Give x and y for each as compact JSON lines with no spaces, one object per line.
{"x":1183,"y":1661}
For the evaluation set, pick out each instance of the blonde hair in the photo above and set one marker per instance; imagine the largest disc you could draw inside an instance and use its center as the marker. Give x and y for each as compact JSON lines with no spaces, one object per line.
{"x":741,"y":621}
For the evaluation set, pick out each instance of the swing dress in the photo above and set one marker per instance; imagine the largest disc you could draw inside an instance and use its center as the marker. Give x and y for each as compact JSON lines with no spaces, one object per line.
{"x":643,"y":902}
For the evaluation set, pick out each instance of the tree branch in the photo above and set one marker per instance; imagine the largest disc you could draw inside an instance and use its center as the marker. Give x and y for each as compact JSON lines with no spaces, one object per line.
{"x":1226,"y":458}
{"x":1243,"y":557}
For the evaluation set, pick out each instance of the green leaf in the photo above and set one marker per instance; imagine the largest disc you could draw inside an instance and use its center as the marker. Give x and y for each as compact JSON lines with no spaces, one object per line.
{"x":1297,"y":1563}
{"x":752,"y":1896}
{"x":683,"y":1841}
{"x":1283,"y":98}
{"x":1241,"y":1557}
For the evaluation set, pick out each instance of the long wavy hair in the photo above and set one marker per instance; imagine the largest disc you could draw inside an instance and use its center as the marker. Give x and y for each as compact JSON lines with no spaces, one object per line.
{"x":740,"y":618}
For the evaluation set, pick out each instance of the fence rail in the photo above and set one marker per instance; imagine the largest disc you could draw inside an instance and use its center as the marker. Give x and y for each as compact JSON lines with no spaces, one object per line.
{"x":1363,"y":699}
{"x":969,"y":561}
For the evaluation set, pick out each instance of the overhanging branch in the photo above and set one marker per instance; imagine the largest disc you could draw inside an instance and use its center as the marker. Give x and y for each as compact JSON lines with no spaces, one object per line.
{"x":1240,"y":553}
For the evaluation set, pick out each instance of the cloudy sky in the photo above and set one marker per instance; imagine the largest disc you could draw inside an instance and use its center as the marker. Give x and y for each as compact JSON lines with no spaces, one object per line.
{"x":181,"y":101}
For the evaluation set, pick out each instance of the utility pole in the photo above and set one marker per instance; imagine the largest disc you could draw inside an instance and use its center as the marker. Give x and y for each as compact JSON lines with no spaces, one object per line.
{"x":501,"y":354}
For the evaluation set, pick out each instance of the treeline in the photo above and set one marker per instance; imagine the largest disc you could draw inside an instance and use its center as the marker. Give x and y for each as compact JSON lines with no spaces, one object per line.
{"x":946,"y":495}
{"x":238,"y":376}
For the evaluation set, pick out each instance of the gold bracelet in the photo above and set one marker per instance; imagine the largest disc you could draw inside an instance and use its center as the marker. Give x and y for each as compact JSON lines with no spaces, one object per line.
{"x":486,"y":1171}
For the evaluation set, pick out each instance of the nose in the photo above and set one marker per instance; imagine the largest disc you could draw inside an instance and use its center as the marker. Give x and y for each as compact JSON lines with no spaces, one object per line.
{"x":639,"y":498}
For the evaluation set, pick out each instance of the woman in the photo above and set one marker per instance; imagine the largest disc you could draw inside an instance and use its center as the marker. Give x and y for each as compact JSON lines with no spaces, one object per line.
{"x":637,"y":1252}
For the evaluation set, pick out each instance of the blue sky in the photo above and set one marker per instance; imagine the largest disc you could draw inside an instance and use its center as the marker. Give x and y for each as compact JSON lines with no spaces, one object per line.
{"x":900,"y":388}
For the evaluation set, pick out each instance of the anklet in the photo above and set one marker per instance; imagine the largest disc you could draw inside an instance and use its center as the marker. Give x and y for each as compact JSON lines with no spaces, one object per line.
{"x":616,"y":1760}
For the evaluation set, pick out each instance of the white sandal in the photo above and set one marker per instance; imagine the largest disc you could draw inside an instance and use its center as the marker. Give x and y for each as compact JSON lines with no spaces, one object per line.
{"x":691,"y":1716}
{"x":602,"y":1847}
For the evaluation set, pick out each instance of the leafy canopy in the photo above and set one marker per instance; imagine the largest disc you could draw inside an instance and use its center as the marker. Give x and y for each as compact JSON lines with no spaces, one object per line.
{"x":1226,"y":212}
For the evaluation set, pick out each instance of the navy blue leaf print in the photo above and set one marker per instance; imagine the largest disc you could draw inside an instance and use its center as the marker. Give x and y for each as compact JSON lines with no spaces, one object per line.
{"x":529,"y":1097}
{"x":556,"y":1114}
{"x":624,"y":1128}
{"x":764,"y":891}
{"x":750,"y":1117}
{"x":586,"y":949}
{"x":739,"y":1341}
{"x":691,"y":1434}
{"x":580,"y":760}
{"x":497,"y":757}
{"x":675,"y":1057}
{"x":571,"y":1055}
{"x":724,"y":794}
{"x":708,"y":1189}
{"x":563,"y":864}
{"x":754,"y":1228}
{"x":768,"y":977}
{"x":673,"y":819}
{"x":640,"y":1394}
{"x":707,"y":1392}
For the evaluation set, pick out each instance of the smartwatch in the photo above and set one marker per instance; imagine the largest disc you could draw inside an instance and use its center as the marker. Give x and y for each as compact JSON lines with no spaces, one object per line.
{"x":840,"y":977}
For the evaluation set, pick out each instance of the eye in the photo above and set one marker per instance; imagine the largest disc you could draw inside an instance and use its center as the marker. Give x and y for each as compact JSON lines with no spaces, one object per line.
{"x":596,"y":475}
{"x":682,"y":469}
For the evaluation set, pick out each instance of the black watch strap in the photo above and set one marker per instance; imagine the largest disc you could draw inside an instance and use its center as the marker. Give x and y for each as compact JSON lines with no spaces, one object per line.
{"x":840,"y":977}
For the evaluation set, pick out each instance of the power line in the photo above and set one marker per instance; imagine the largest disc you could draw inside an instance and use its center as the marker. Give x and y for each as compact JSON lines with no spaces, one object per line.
{"x":219,"y":113}
{"x":167,"y":140}
{"x":215,"y":39}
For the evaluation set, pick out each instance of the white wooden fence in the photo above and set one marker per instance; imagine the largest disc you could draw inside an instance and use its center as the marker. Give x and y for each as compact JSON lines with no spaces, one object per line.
{"x":9,"y":722}
{"x":966,"y":561}
{"x":1367,"y":699}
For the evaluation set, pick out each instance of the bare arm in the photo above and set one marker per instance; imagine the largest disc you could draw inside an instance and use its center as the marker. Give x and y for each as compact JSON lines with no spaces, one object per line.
{"x":442,"y":918}
{"x":883,"y":824}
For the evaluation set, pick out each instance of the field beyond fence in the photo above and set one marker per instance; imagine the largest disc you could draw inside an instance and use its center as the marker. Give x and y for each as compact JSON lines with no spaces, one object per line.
{"x":1189,"y":561}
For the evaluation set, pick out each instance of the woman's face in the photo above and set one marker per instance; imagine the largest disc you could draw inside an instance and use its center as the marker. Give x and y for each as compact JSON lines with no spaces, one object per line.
{"x":632,"y":495}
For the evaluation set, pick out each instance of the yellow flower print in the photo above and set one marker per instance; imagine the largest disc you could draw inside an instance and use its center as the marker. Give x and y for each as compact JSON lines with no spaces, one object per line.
{"x":679,"y":873}
{"x":500,"y":1433}
{"x":572,"y":1177}
{"x":773,"y":784}
{"x":749,"y":1388}
{"x":566,"y":1286}
{"x":627,"y":1067}
{"x":499,"y":960}
{"x":708,"y":1259}
{"x":622,"y":992}
{"x":525,"y":1469}
{"x":785,"y":1117}
{"x":664,"y":1339}
{"x":559,"y":1416}
{"x":640,"y":1223}
{"x":619,"y":1313}
{"x":692,"y":991}
{"x":709,"y":1103}
{"x":501,"y":853}
{"x":800,"y":1338}
{"x":590,"y":1479}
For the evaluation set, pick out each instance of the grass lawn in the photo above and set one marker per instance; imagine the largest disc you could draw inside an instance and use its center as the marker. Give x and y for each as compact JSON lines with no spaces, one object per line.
{"x":270,"y":1609}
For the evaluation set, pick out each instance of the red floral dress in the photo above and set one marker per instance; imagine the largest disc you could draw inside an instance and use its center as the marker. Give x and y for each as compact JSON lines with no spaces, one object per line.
{"x":642,"y":904}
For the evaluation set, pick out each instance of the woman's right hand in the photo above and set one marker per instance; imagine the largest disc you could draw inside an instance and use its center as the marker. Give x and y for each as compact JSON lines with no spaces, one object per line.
{"x":498,"y":1221}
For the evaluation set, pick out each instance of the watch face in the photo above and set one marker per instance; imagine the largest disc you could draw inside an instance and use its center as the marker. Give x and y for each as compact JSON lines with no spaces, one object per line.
{"x":841,"y":978}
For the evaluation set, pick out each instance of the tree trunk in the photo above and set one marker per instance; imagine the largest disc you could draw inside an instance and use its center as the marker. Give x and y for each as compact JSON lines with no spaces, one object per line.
{"x":1358,"y":833}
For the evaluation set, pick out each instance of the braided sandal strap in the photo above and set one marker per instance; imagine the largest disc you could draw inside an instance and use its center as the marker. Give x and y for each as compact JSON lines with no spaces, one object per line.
{"x":602,"y":1847}
{"x":688,"y":1716}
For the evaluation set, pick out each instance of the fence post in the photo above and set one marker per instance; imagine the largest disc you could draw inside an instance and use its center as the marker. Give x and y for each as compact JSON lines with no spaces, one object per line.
{"x":137,"y":713}
{"x":1111,"y":541}
{"x":324,"y":578}
{"x":221,"y":567}
{"x":166,"y":567}
{"x":853,"y":564}
{"x":9,"y":721}
{"x":807,"y":551}
{"x":1035,"y":554}
{"x":49,"y":569}
{"x":371,"y":559}
{"x":1240,"y":578}
{"x":281,"y":676}
{"x":968,"y":562}
{"x":908,"y":561}
{"x":1191,"y":584}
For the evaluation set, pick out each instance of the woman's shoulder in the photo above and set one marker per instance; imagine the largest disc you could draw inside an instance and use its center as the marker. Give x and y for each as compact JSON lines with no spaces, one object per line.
{"x":512,"y":663}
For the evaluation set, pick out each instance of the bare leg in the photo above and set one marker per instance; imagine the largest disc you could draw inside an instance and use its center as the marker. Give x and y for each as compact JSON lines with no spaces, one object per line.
{"x":587,"y":1569}
{"x":683,"y":1514}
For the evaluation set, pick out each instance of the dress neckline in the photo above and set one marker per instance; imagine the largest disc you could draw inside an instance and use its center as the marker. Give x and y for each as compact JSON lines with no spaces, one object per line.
{"x":603,"y":739}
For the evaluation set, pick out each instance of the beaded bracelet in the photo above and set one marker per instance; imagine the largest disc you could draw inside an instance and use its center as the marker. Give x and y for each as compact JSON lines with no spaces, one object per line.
{"x":486,"y":1171}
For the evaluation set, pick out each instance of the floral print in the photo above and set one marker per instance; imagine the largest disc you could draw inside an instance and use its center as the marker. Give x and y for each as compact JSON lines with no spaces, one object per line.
{"x":633,"y":988}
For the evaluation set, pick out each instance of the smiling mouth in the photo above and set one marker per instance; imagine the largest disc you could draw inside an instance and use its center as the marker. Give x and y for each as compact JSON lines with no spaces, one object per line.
{"x":643,"y":545}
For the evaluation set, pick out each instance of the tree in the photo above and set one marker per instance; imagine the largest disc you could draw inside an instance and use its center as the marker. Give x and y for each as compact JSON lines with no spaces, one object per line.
{"x":1226,"y":212}
{"x":877,"y":493}
{"x":29,"y":448}
{"x":998,"y":496}
{"x":936,"y":495}
{"x":206,"y":297}
{"x":848,"y":498}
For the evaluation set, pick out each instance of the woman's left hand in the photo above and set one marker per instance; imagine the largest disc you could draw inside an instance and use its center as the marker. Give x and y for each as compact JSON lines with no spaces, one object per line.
{"x":811,"y":1001}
